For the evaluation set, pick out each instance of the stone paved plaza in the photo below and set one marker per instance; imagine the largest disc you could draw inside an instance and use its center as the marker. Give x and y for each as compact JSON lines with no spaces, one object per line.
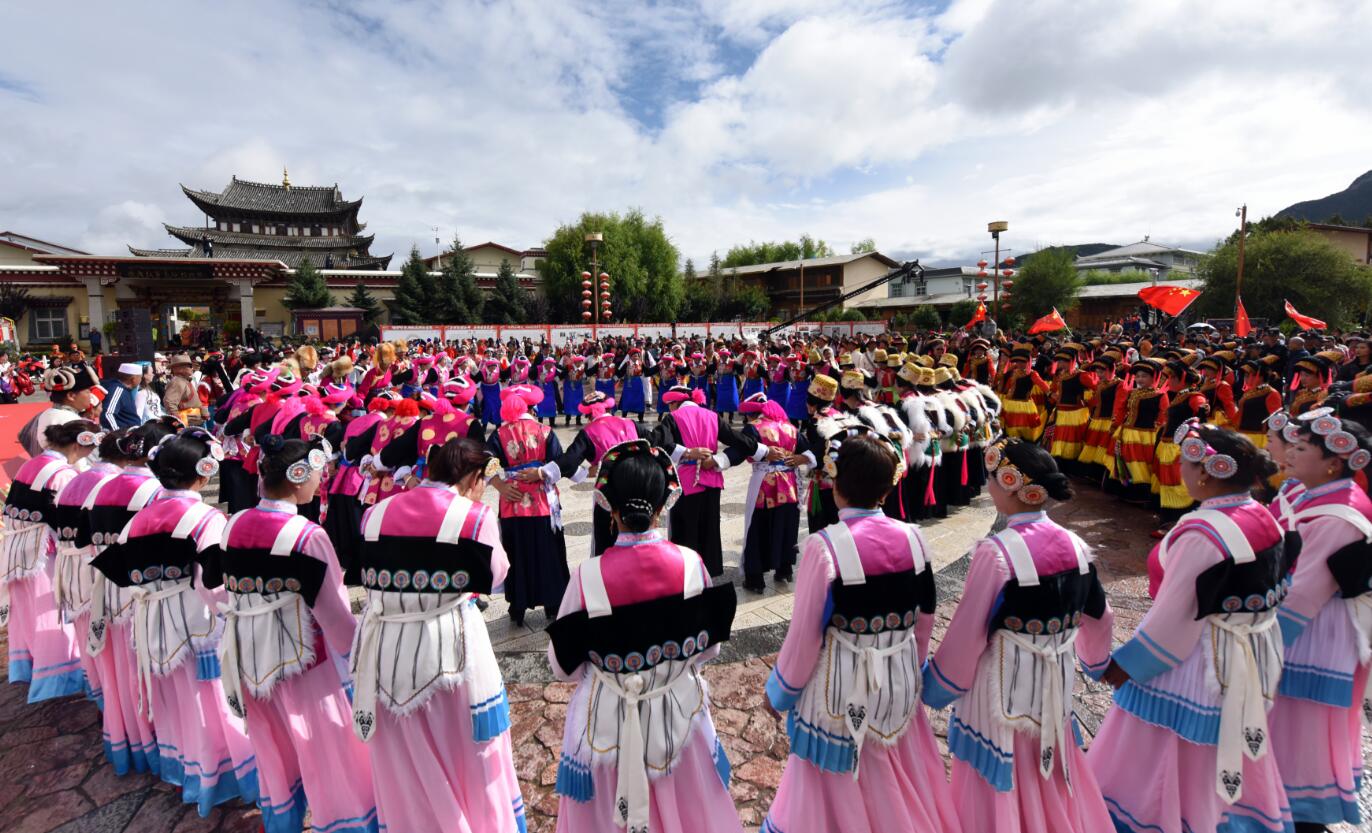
{"x":53,"y":776}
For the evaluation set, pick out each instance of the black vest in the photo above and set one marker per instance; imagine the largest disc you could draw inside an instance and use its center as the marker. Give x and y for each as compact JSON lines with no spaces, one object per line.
{"x":639,"y":636}
{"x":150,"y":558}
{"x":883,"y":602}
{"x":424,"y":565}
{"x":1259,"y":585}
{"x":1055,"y":604}
{"x":258,"y":571}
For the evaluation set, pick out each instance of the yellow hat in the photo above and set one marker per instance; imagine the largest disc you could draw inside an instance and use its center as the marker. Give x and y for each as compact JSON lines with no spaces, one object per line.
{"x":823,"y":387}
{"x":815,"y":357}
{"x":910,"y":372}
{"x":879,"y":355}
{"x":948,"y":360}
{"x":942,"y":375}
{"x":895,"y":359}
{"x":845,"y":358}
{"x":853,"y":380}
{"x":924,"y":361}
{"x":926,"y":377}
{"x":953,"y":371}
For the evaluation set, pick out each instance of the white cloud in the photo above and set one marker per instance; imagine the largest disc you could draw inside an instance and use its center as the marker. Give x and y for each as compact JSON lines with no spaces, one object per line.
{"x":732,"y":119}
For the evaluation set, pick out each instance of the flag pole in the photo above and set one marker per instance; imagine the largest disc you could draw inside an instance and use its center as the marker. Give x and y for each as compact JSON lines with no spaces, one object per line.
{"x":1238,"y":282}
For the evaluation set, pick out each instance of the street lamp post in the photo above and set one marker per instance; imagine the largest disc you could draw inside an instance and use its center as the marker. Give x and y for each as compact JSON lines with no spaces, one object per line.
{"x":590,"y":310}
{"x":996,"y":227}
{"x":1242,"y":214}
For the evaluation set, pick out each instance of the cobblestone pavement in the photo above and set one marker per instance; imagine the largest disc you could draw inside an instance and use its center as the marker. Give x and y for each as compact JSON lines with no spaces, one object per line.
{"x":53,"y":776}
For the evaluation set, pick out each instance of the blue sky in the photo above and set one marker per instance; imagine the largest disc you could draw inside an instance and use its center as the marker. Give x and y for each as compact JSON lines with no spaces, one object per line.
{"x":733,"y":120}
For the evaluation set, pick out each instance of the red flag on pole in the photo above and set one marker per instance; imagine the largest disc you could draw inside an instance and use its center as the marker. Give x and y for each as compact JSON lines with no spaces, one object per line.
{"x":1305,"y":321}
{"x":978,"y":317}
{"x":1172,"y":300}
{"x":1050,"y":323}
{"x":1241,"y":325}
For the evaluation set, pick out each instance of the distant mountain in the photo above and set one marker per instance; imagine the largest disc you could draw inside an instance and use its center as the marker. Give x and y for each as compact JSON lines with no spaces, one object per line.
{"x":1078,"y":250}
{"x":1350,"y":206}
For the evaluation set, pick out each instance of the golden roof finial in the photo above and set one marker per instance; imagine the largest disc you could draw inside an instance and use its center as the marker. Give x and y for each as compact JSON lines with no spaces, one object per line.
{"x":285,"y":179}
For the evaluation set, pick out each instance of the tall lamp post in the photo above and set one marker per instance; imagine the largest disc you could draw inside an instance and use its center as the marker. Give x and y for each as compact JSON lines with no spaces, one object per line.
{"x":1242,"y":214}
{"x":591,"y":313}
{"x":1001,"y":271}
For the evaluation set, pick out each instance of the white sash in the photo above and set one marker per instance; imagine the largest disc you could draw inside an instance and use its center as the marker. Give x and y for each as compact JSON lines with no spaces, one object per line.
{"x":1052,"y":656}
{"x":629,"y":692}
{"x":144,"y":602}
{"x":843,"y":699}
{"x":367,"y":658}
{"x":1243,"y":728}
{"x":230,"y":674}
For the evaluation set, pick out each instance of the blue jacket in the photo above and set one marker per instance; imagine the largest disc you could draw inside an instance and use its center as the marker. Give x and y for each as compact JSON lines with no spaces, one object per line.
{"x":120,"y":409}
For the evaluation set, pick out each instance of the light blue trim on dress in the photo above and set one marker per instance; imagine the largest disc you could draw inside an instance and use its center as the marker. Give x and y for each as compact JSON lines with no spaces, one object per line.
{"x":124,"y":757}
{"x":574,"y":780}
{"x":1318,"y":685}
{"x":517,"y":804}
{"x":358,"y":824}
{"x":722,"y":765}
{"x":1339,"y":807}
{"x":207,"y":665}
{"x":781,"y":694}
{"x":993,"y":764}
{"x":938,"y":690}
{"x":288,"y":816}
{"x":1194,"y":722}
{"x":827,"y":751}
{"x":1143,"y":658}
{"x":491,"y":717}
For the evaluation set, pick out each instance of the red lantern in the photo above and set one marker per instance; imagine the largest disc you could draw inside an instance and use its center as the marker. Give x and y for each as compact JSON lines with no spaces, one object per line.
{"x":1006,"y":284}
{"x":981,"y":297}
{"x":982,"y":273}
{"x":982,"y":263}
{"x":586,"y":284}
{"x":981,"y":287}
{"x":1008,"y":272}
{"x":604,"y":276}
{"x":585,"y":276}
{"x":585,"y":293}
{"x":585,"y":316}
{"x":1009,"y":261}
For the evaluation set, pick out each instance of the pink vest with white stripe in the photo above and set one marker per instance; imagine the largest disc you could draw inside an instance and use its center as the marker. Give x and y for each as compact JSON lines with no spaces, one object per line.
{"x":699,"y":429}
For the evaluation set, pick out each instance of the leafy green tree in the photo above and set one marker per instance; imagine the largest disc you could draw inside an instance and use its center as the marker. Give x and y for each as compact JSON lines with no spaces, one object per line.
{"x":864,"y":246}
{"x":1049,"y":279}
{"x":636,"y":253}
{"x":961,"y":312}
{"x":307,"y":289}
{"x":415,"y":301}
{"x":925,"y":318}
{"x":745,"y":302}
{"x":506,"y":304}
{"x":688,"y":274}
{"x":806,"y":248}
{"x":363,"y":299}
{"x":457,"y":299}
{"x":1321,"y":279}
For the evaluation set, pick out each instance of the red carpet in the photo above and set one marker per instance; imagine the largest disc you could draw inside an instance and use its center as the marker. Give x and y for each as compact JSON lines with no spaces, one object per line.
{"x":12,"y":419}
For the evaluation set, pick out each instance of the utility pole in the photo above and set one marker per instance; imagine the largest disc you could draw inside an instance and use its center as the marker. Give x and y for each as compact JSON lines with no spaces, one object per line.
{"x":1238,"y":282}
{"x":802,"y":281}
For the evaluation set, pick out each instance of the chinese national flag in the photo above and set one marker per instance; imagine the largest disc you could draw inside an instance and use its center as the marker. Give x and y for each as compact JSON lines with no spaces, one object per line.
{"x":1172,"y":300}
{"x":1305,"y":321}
{"x":1241,"y":326}
{"x":1050,"y":323}
{"x":978,"y":317}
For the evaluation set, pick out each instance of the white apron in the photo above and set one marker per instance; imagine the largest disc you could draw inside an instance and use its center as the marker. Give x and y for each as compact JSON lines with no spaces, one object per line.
{"x":110,"y":603}
{"x":413,"y":645}
{"x":1243,"y":653}
{"x":866,"y":684}
{"x":268,"y":636}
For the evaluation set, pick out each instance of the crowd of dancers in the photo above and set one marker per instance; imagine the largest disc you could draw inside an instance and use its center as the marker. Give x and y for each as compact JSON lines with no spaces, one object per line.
{"x":226,"y":658}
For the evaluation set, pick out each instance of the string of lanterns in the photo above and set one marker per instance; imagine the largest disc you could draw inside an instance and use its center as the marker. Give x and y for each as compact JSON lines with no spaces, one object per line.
{"x":1003,"y":281}
{"x":588,"y":297}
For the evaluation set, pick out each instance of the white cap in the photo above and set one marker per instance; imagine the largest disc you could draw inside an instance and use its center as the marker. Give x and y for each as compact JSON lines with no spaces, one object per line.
{"x":130,"y":369}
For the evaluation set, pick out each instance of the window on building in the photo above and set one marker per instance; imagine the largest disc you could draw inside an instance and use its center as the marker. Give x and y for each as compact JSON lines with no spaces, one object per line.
{"x":292,"y":231}
{"x":235,"y":226}
{"x":47,"y":323}
{"x":281,"y":230}
{"x":256,"y":229}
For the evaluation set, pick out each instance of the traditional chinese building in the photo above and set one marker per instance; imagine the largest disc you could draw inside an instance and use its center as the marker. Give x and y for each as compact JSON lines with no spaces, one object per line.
{"x":291,"y":224}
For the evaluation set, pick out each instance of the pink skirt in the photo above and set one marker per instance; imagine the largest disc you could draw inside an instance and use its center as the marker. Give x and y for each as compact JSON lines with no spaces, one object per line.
{"x":431,"y":775}
{"x":201,"y":745}
{"x":42,"y":650}
{"x":1155,"y":782}
{"x":1036,"y":804}
{"x":308,"y":757}
{"x":130,"y":743}
{"x":902,"y":787}
{"x":692,"y":799}
{"x":1319,"y":751}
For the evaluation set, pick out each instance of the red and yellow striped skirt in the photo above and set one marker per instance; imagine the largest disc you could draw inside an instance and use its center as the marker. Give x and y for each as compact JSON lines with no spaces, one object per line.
{"x":1023,"y":418}
{"x":1167,"y":483}
{"x":1069,"y":432}
{"x":1096,"y":448}
{"x":1135,"y":446}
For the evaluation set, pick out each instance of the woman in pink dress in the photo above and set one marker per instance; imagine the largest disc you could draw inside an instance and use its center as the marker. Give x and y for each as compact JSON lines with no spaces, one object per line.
{"x":130,"y":743}
{"x":1032,"y":606}
{"x":284,"y":653}
{"x":1326,"y":624}
{"x":863,"y":757}
{"x":1185,"y":747}
{"x":639,"y":750}
{"x":160,"y":558}
{"x":73,"y":576}
{"x":429,"y":698}
{"x":42,"y":646}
